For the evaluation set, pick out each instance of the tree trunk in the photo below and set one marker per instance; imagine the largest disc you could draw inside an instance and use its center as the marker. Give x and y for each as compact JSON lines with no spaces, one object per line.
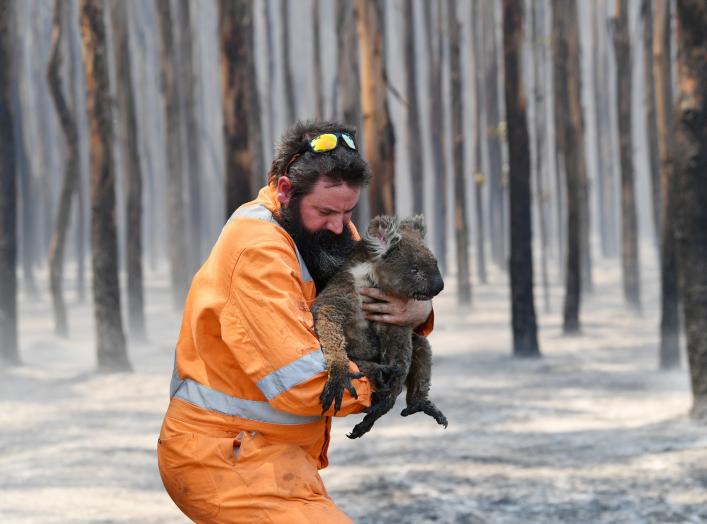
{"x":8,"y":194}
{"x":128,"y":139}
{"x":525,"y":337}
{"x":461,"y":233}
{"x":690,"y":167}
{"x":494,"y":133}
{"x":669,"y":355}
{"x":435,"y":47}
{"x":413,"y":116}
{"x":602,"y":106}
{"x":68,"y":126}
{"x":650,"y":103}
{"x":378,"y":134}
{"x":479,"y":177}
{"x":290,"y":101}
{"x":317,"y":63}
{"x":539,"y":38}
{"x":568,"y":141}
{"x":270,"y":39}
{"x":236,"y":29}
{"x":629,"y":225}
{"x":259,"y":171}
{"x":349,"y":85}
{"x":111,"y":348}
{"x":175,"y":198}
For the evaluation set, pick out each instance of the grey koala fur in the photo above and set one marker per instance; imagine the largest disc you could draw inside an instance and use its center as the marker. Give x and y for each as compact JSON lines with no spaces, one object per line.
{"x":391,"y":256}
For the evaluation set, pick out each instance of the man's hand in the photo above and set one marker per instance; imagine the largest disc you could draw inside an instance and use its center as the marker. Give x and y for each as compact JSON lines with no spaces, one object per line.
{"x":394,"y":310}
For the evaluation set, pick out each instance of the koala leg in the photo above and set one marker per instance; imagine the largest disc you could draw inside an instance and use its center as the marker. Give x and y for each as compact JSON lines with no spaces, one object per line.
{"x":382,"y":376}
{"x":418,"y":382}
{"x":381,"y":404}
{"x":328,"y":325}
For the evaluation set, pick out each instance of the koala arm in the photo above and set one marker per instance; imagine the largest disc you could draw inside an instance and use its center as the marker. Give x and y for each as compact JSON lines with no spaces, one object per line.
{"x":283,"y":358}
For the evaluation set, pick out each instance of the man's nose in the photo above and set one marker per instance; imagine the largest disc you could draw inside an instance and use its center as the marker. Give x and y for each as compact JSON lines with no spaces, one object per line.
{"x":336,"y":225}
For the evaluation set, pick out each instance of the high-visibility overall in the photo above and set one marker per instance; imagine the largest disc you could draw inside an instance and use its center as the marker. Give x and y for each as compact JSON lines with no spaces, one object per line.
{"x":244,"y":434}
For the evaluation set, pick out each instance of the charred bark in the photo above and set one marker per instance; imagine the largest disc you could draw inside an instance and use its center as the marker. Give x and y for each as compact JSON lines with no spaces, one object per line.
{"x":629,"y":221}
{"x":68,"y":126}
{"x":129,"y":141}
{"x":690,"y":165}
{"x":111,"y":347}
{"x":378,"y":134}
{"x":525,"y":338}
{"x":461,"y":231}
{"x":236,"y":27}
{"x":9,"y":352}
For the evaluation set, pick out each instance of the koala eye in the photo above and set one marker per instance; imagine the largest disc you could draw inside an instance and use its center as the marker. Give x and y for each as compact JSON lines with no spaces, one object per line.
{"x":413,"y":271}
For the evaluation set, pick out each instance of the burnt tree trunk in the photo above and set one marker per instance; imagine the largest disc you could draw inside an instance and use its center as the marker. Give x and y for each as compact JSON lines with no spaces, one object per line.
{"x":669,"y":354}
{"x":525,"y":336}
{"x":567,"y":137}
{"x":690,"y":165}
{"x":349,"y":85}
{"x":176,"y":226}
{"x":8,"y":195}
{"x":629,"y":225}
{"x":259,"y":175}
{"x":71,"y":175}
{"x":461,"y":232}
{"x":378,"y":134}
{"x":435,"y":48}
{"x":236,"y":27}
{"x":413,"y":115}
{"x":650,"y":103}
{"x":479,"y":177}
{"x":111,"y":349}
{"x":538,"y":38}
{"x":129,"y":140}
{"x":286,"y":63}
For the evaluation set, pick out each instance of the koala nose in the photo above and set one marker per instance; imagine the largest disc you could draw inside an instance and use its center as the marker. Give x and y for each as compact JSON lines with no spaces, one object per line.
{"x":437,"y":284}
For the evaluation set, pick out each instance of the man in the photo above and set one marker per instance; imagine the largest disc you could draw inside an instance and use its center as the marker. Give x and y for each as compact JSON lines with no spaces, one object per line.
{"x":244,"y":434}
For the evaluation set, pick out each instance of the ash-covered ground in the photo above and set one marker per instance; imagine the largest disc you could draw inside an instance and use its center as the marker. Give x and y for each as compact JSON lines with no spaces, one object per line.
{"x":589,"y":433}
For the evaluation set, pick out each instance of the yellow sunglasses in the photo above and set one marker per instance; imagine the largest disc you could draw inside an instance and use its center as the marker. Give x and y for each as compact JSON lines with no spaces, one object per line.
{"x":323,"y":143}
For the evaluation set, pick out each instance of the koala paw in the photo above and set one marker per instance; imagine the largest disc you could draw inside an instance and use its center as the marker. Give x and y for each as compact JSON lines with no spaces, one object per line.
{"x":339,"y":380}
{"x":426,"y":406}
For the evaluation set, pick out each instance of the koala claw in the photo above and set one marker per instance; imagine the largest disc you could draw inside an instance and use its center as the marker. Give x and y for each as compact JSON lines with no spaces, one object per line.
{"x":427,"y":407}
{"x":385,"y":376}
{"x":334,"y":389}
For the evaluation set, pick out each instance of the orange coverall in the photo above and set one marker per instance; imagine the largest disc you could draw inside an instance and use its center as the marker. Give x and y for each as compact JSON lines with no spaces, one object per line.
{"x":244,"y":434}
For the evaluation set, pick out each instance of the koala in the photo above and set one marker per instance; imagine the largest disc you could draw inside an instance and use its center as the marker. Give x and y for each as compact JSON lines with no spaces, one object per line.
{"x":391,"y":256}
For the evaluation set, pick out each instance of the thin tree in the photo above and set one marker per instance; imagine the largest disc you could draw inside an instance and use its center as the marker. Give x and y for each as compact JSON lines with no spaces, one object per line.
{"x":111,"y":348}
{"x":537,"y":15}
{"x":435,"y":48}
{"x":690,"y":165}
{"x":525,"y":337}
{"x":258,"y":170}
{"x":650,"y":103}
{"x":128,"y":134}
{"x":8,"y":194}
{"x":68,"y":126}
{"x":461,"y":231}
{"x":236,"y":28}
{"x":669,"y":354}
{"x":413,"y":115}
{"x":175,"y":200}
{"x":290,"y":101}
{"x":378,"y":135}
{"x":479,"y":177}
{"x":317,"y":62}
{"x":629,"y":225}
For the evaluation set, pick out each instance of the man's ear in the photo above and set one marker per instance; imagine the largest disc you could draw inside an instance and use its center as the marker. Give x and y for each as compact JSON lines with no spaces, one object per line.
{"x":381,"y":235}
{"x":284,"y":190}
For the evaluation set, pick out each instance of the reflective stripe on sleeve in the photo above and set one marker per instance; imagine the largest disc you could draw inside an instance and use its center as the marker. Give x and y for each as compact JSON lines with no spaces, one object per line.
{"x":207,"y":398}
{"x":260,"y":212}
{"x":292,"y":374}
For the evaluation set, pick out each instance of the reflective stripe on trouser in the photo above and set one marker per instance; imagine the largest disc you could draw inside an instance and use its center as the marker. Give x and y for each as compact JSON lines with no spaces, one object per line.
{"x":227,"y":477}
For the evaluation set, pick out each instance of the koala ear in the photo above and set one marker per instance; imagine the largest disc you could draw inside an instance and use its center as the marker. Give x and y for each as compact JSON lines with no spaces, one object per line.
{"x":416,"y":223}
{"x":381,"y":235}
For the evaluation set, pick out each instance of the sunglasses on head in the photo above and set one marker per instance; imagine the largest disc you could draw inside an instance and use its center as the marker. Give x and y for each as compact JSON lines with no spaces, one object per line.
{"x":324,"y":142}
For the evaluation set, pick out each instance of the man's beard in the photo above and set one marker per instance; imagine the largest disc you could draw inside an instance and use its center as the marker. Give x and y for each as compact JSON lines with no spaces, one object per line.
{"x":323,"y":252}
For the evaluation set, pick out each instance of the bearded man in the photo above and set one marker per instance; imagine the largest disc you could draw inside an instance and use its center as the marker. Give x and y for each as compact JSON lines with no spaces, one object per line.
{"x":244,"y":435}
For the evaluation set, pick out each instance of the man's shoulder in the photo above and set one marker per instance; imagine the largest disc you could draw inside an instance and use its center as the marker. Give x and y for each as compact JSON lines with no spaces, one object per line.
{"x":253,"y":225}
